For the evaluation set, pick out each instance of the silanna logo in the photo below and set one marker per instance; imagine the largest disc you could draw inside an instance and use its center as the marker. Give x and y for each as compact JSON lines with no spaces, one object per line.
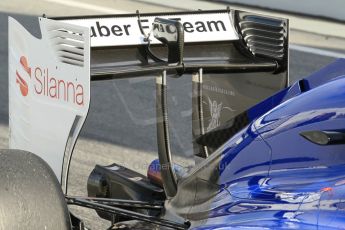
{"x":39,"y":81}
{"x":23,"y":84}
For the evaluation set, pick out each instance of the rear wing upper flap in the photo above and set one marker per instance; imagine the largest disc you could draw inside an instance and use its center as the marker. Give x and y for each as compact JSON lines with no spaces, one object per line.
{"x":232,"y":36}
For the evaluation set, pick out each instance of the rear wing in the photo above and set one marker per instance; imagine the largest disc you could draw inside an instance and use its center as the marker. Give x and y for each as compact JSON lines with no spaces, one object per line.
{"x":235,"y":59}
{"x":209,"y":31}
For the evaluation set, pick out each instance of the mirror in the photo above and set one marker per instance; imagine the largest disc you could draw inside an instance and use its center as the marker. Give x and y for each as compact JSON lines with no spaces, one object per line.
{"x":170,"y":33}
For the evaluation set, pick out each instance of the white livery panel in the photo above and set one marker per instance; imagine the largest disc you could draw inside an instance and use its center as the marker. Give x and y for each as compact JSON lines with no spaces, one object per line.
{"x":124,"y":31}
{"x":49,"y":88}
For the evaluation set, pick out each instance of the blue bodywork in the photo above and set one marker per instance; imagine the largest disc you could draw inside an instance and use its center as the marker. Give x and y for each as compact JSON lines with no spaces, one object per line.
{"x":272,"y":177}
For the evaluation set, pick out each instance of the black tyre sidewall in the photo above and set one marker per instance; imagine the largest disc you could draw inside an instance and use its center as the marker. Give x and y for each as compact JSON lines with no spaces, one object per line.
{"x":30,"y":194}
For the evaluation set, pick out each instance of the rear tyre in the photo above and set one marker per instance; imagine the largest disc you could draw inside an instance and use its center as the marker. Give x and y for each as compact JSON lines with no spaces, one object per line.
{"x":30,"y":194}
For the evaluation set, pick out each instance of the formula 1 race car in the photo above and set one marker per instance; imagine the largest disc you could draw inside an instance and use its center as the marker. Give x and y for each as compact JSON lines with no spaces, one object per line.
{"x":267,"y":155}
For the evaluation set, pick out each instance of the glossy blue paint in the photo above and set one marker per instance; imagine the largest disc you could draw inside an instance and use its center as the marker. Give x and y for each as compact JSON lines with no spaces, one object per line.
{"x":316,"y":79}
{"x":273,"y":178}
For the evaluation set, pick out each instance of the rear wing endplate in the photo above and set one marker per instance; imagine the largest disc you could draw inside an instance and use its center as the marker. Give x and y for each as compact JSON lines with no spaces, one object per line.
{"x":49,"y":88}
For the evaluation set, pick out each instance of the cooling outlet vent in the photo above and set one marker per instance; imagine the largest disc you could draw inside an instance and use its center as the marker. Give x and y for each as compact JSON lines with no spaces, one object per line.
{"x":264,"y":37}
{"x":68,"y":44}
